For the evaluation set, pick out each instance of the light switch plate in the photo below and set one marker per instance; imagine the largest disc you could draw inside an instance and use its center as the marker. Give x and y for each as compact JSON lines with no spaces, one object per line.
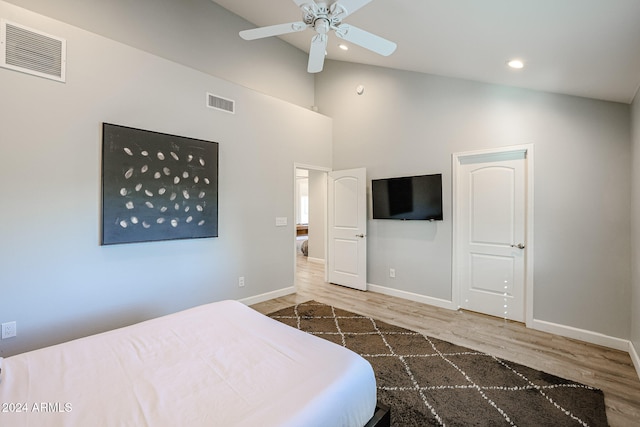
{"x":281,"y":221}
{"x":9,"y":330}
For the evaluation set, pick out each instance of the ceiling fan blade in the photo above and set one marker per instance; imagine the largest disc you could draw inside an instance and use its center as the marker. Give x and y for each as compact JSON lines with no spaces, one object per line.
{"x":349,"y":6}
{"x":316,"y":53}
{"x":365,"y":39}
{"x":273,"y":30}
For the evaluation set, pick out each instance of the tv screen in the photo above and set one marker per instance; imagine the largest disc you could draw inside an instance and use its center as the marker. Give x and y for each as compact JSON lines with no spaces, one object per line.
{"x":408,"y":198}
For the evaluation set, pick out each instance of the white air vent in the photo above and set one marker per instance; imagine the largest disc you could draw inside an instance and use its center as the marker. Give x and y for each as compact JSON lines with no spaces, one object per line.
{"x":32,"y":51}
{"x":220,"y":103}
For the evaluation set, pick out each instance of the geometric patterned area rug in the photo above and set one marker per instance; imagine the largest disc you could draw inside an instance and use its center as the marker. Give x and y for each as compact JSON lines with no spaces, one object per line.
{"x":430,"y":382}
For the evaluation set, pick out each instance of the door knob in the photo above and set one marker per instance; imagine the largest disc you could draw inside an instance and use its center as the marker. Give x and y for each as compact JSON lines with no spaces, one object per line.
{"x":360,"y":236}
{"x":519,"y":246}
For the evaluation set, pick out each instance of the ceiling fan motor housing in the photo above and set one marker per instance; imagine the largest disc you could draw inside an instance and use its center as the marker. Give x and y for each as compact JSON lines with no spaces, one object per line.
{"x":322,"y":26}
{"x":321,"y":17}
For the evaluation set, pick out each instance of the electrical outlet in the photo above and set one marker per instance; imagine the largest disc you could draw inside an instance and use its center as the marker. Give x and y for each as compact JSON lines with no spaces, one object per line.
{"x":241,"y":281}
{"x":392,"y":272}
{"x":8,"y":330}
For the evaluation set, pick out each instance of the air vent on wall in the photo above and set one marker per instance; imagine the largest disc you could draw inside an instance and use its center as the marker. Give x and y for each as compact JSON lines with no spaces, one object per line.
{"x":31,"y":51}
{"x":220,"y":103}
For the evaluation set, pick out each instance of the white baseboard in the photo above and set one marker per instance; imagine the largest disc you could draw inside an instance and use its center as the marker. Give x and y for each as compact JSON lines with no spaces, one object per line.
{"x":412,"y":296}
{"x":267,"y":296}
{"x":581,"y":334}
{"x":316,"y":260}
{"x":634,"y":357}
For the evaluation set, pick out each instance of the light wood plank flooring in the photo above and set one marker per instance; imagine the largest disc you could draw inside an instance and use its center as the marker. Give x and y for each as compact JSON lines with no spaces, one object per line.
{"x":609,"y":370}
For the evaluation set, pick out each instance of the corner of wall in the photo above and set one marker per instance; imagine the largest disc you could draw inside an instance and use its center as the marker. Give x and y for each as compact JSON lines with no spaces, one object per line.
{"x":635,"y":229}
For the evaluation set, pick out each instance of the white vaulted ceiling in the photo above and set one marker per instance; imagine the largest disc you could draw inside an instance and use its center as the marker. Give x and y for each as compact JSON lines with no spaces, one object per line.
{"x":588,"y":48}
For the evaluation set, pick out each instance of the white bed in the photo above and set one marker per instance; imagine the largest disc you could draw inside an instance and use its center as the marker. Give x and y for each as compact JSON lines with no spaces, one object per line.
{"x":220,"y":364}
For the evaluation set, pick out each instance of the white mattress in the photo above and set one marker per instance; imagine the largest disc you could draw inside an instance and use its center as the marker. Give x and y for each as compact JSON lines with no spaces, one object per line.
{"x":221,"y":364}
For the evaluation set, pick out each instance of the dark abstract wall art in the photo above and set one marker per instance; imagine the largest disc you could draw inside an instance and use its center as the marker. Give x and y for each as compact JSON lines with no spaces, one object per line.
{"x":157,"y":186}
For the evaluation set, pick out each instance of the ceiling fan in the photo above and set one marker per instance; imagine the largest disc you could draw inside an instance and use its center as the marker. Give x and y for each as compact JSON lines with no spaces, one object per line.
{"x":322,"y":19}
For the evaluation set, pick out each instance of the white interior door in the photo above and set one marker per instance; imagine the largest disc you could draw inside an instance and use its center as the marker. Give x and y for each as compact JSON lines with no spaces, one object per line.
{"x":347,"y":206}
{"x":491,"y":198}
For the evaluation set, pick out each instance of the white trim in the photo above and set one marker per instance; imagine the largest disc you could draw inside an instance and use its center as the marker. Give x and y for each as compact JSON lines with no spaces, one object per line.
{"x":315,"y":260}
{"x":442,"y":303}
{"x":492,"y":153}
{"x":581,"y":335}
{"x":312,"y":167}
{"x":634,"y":357}
{"x":267,"y":296}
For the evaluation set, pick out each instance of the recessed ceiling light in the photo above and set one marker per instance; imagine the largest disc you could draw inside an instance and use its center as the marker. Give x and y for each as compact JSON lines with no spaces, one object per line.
{"x":516,"y":63}
{"x":343,"y":46}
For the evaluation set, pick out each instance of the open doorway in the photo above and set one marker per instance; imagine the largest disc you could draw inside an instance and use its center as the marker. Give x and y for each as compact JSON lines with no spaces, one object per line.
{"x":302,"y":212}
{"x":310,"y":214}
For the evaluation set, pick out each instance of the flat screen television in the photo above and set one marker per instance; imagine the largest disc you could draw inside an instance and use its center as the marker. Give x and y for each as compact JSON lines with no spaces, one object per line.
{"x":408,"y":198}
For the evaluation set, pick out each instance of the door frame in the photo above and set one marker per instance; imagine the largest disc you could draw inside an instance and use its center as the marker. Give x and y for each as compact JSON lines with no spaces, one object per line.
{"x":326,"y":171}
{"x":456,"y":242}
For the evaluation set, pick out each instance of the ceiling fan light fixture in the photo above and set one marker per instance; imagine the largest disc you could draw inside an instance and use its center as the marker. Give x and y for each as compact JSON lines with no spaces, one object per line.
{"x":516,"y":64}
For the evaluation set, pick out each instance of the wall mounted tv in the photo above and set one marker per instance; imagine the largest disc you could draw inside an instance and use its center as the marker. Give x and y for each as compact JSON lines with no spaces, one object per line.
{"x":408,"y":198}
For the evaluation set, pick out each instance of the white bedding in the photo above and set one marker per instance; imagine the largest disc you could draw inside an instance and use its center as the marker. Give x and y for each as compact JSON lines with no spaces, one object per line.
{"x":221,"y":364}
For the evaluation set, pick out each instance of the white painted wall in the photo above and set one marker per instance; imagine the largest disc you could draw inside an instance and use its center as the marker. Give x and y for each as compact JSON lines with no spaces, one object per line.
{"x":635,"y":285}
{"x":317,"y":214}
{"x":302,"y":200}
{"x":56,"y":281}
{"x":197,"y":33}
{"x":409,"y":123}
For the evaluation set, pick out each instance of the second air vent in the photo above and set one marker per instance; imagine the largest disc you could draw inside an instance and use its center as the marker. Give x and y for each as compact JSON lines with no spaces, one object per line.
{"x":220,"y":103}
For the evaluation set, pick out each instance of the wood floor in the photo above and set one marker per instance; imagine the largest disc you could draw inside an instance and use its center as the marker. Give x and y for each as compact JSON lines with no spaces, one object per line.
{"x":609,"y":370}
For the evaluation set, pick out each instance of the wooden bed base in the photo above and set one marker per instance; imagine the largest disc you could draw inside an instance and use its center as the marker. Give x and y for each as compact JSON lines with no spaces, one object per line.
{"x":381,"y":418}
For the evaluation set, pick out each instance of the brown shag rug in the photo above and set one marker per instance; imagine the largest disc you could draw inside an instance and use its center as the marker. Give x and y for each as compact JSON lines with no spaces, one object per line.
{"x":430,"y":382}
